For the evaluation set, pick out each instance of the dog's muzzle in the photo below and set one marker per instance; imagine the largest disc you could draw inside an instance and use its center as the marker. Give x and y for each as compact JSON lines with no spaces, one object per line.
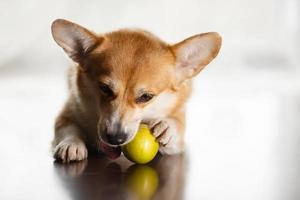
{"x":114,"y":135}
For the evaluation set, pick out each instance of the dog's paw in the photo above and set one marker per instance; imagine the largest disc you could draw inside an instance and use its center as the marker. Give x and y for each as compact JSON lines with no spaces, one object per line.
{"x":70,"y":150}
{"x":161,"y":130}
{"x":166,"y":134}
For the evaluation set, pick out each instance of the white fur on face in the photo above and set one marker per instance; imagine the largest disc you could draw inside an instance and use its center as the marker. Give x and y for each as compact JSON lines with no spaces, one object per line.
{"x":160,"y":107}
{"x":111,"y":123}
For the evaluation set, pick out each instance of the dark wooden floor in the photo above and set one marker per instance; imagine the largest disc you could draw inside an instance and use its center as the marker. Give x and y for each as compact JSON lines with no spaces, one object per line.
{"x":100,"y":178}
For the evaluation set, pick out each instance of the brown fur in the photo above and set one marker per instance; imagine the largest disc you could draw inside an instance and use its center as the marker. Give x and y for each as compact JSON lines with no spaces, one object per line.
{"x":131,"y":63}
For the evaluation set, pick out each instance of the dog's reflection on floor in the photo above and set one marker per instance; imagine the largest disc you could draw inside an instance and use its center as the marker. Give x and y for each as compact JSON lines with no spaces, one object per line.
{"x":100,"y":178}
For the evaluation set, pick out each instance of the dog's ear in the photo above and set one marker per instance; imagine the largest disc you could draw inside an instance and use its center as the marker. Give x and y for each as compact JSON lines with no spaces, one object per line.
{"x":194,"y":53}
{"x":76,"y":41}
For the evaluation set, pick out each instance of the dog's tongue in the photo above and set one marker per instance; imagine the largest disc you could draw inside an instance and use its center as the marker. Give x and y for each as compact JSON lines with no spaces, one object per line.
{"x":110,"y":152}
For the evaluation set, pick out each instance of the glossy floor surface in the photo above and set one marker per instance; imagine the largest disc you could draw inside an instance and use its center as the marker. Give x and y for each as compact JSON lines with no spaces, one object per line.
{"x":243,"y":128}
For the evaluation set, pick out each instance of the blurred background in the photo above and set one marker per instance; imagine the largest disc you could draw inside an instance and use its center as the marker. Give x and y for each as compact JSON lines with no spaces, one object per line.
{"x":243,"y":132}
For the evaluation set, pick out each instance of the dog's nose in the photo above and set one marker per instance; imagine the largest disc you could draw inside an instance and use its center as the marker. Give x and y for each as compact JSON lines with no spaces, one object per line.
{"x":117,"y":139}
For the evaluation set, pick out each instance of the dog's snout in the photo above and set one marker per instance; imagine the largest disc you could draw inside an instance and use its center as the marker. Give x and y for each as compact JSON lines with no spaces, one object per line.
{"x":115,"y":135}
{"x":117,"y":139}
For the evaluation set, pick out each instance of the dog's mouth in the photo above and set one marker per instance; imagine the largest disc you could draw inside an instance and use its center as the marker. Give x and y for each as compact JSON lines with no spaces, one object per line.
{"x":112,"y":152}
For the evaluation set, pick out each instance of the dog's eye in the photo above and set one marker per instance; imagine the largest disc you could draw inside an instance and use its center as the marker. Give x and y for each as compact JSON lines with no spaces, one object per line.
{"x":144,"y":98}
{"x":105,"y":89}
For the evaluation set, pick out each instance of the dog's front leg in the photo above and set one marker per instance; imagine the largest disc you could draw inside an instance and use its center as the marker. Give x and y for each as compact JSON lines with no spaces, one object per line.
{"x":169,"y":133}
{"x":68,"y":144}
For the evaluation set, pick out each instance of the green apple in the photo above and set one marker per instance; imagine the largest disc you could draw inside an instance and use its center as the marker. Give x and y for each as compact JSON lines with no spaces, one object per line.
{"x":143,"y":148}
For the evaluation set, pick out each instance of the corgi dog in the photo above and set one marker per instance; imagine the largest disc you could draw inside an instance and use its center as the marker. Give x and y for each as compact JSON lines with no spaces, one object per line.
{"x":121,"y":79}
